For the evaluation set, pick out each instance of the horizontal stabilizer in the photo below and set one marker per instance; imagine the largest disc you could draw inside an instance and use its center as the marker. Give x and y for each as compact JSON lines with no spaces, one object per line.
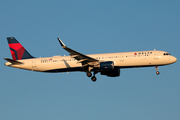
{"x":13,"y":61}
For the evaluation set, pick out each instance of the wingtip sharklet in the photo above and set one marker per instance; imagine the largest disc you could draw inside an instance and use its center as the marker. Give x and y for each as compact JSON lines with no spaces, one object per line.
{"x":60,"y":41}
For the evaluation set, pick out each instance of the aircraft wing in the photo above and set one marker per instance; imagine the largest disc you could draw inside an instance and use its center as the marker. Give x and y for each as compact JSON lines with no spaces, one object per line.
{"x":78,"y":56}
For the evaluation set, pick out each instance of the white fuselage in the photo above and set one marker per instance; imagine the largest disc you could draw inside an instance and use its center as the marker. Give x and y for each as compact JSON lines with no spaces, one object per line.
{"x":121,"y":60}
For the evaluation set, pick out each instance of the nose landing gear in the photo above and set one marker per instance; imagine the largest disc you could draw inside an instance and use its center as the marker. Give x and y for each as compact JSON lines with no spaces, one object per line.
{"x":157,"y":72}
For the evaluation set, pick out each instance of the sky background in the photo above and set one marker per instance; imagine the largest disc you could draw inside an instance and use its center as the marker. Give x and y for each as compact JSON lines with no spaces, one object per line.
{"x":89,"y":27}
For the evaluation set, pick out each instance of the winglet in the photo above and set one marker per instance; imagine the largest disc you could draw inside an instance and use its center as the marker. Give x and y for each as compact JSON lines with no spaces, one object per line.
{"x":62,"y":44}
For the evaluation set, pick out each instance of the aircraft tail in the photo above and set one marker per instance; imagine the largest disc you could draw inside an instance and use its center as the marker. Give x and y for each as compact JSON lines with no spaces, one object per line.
{"x":14,"y":62}
{"x":18,"y":52}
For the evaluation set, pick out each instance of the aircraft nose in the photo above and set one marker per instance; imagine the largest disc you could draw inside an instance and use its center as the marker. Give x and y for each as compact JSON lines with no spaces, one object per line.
{"x":174,"y":59}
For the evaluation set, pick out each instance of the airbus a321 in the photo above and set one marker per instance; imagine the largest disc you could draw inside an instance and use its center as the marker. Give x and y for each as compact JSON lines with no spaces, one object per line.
{"x":108,"y":64}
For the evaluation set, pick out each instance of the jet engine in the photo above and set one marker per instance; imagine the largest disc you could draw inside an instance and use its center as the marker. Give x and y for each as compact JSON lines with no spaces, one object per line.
{"x":109,"y":65}
{"x":111,"y":73}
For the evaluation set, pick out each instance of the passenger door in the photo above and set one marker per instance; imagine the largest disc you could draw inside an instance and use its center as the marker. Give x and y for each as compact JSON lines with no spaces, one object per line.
{"x":33,"y":63}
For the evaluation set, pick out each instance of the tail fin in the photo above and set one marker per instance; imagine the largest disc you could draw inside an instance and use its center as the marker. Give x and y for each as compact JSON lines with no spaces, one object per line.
{"x":18,"y":52}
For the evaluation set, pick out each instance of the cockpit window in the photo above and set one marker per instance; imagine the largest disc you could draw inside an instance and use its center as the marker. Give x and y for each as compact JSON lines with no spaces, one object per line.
{"x":167,"y":54}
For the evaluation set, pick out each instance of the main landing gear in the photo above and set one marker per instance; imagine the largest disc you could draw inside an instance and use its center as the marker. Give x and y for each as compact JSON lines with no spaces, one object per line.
{"x":157,"y":72}
{"x":89,"y":74}
{"x":93,"y":78}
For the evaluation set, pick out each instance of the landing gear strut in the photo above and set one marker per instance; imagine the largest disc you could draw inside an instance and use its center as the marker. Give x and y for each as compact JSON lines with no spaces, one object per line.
{"x":157,"y":72}
{"x":89,"y":74}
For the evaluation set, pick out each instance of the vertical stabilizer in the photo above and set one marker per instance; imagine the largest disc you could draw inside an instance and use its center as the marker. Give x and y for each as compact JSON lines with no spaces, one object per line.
{"x":18,"y":52}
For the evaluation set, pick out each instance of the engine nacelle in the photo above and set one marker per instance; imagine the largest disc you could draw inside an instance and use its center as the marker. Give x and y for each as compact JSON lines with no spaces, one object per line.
{"x":106,"y":65}
{"x":111,"y":73}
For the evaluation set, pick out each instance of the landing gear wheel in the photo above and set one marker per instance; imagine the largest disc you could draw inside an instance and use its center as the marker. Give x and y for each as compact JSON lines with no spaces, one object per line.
{"x":157,"y":72}
{"x":93,"y":78}
{"x":89,"y":74}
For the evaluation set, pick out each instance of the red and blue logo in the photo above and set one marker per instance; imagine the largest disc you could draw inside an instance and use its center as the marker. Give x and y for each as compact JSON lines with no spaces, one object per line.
{"x":18,"y":52}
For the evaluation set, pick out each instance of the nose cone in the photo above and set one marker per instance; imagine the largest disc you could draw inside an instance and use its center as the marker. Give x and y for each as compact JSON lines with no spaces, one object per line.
{"x":173,"y":59}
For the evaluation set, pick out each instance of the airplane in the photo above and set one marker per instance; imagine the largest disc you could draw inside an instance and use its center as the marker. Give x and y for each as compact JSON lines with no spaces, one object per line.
{"x":108,"y":64}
